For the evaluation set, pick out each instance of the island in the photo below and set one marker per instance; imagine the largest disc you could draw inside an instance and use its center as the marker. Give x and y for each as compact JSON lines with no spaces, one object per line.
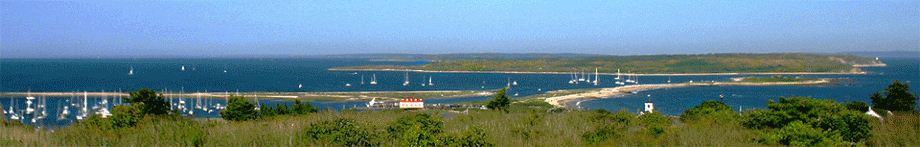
{"x":701,"y":64}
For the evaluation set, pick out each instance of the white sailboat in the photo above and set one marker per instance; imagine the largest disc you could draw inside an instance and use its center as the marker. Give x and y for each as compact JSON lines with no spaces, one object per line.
{"x":582,"y":78}
{"x":131,"y":71}
{"x":85,"y":109}
{"x":183,"y":68}
{"x":572,"y":81}
{"x":29,"y":108}
{"x":596,"y":77}
{"x":300,"y":86}
{"x":374,"y":80}
{"x":618,"y":75}
{"x":429,"y":81}
{"x":362,"y":79}
{"x":406,"y":82}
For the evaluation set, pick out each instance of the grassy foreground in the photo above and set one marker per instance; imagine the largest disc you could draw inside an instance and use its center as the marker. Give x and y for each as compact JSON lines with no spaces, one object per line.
{"x":527,"y":124}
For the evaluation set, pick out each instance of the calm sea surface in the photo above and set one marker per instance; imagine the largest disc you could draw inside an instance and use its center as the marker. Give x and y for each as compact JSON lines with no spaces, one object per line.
{"x":284,"y":75}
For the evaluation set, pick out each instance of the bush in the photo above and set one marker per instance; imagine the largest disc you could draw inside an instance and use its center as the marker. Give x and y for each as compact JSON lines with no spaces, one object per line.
{"x":298,"y":108}
{"x":709,"y":110}
{"x":344,"y":132}
{"x":897,"y":98}
{"x":124,"y":116}
{"x":826,"y":115}
{"x":654,"y":123}
{"x":608,"y":125}
{"x":148,"y":102}
{"x":500,"y":102}
{"x":801,"y":134}
{"x":239,"y":109}
{"x":858,"y":106}
{"x":417,"y":130}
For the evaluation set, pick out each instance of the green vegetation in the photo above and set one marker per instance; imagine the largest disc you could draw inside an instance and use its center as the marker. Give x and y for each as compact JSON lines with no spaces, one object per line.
{"x":706,"y":63}
{"x":794,"y":121}
{"x":148,"y":102}
{"x":500,"y":102}
{"x":298,"y":108}
{"x":897,"y":98}
{"x":802,"y":121}
{"x":239,"y":109}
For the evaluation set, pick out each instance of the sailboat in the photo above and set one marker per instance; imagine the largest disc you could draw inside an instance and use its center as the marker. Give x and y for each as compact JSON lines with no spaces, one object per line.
{"x":183,"y":67}
{"x":84,"y":108}
{"x":362,"y":79}
{"x":406,"y":83}
{"x":131,"y":71}
{"x":300,"y":86}
{"x":29,"y":108}
{"x":596,"y":77}
{"x":572,"y":81}
{"x":582,"y":78}
{"x":618,"y":75}
{"x":429,"y":81}
{"x":374,"y":80}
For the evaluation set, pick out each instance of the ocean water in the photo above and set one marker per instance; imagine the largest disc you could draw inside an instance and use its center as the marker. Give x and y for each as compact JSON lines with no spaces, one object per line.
{"x":285,"y":74}
{"x":850,"y":88}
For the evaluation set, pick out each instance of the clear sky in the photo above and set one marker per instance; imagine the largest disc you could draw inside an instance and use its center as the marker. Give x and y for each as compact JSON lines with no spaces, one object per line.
{"x":236,"y":28}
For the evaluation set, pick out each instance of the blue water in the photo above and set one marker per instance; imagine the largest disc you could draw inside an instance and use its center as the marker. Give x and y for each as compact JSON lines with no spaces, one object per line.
{"x":285,"y":74}
{"x":851,"y":88}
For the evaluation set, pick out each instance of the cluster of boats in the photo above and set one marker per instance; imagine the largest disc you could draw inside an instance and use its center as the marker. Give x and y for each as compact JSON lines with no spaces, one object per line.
{"x":582,"y":77}
{"x":36,"y":110}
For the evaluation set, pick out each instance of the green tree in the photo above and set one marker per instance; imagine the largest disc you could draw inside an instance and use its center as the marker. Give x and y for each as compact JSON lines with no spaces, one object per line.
{"x":708,"y":109}
{"x":858,"y":106}
{"x":831,"y":119}
{"x":340,"y":131}
{"x":417,"y":130}
{"x":239,"y":109}
{"x":124,"y":116}
{"x":303,"y":108}
{"x":897,"y":97}
{"x":500,"y":102}
{"x":148,"y":102}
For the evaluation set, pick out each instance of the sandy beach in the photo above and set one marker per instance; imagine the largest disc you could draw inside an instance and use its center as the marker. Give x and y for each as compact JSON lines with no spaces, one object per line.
{"x":561,"y":101}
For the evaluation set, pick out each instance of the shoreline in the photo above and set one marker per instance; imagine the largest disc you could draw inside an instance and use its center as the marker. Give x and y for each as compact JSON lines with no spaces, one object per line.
{"x":346,"y":96}
{"x":611,"y":74}
{"x":562,"y":101}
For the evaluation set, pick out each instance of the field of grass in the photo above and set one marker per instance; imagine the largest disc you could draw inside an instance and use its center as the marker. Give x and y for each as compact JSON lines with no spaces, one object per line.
{"x":527,"y":124}
{"x":658,"y":64}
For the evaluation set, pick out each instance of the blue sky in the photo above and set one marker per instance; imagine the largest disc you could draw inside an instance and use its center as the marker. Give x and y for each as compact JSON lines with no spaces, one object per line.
{"x":239,"y":28}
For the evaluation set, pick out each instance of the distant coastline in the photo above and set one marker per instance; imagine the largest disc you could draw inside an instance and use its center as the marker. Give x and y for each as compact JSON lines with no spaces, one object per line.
{"x":624,"y":74}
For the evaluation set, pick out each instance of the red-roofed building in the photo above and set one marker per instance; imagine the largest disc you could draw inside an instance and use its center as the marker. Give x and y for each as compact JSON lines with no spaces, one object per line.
{"x":411,"y":103}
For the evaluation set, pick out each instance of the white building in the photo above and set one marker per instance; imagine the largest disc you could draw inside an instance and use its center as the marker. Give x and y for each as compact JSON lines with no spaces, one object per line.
{"x":411,"y":103}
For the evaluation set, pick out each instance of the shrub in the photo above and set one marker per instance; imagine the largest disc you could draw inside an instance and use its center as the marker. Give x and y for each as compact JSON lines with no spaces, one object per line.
{"x":709,"y":109}
{"x":825,"y":115}
{"x":148,"y":102}
{"x":340,"y":131}
{"x":608,"y":125}
{"x":897,"y":98}
{"x":500,"y":102}
{"x":654,"y":123}
{"x":858,"y":106}
{"x":417,"y":130}
{"x":239,"y":109}
{"x":798,"y":133}
{"x":124,"y":116}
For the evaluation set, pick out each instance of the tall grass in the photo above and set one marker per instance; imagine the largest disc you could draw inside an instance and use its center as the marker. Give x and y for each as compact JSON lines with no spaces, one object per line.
{"x":520,"y":127}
